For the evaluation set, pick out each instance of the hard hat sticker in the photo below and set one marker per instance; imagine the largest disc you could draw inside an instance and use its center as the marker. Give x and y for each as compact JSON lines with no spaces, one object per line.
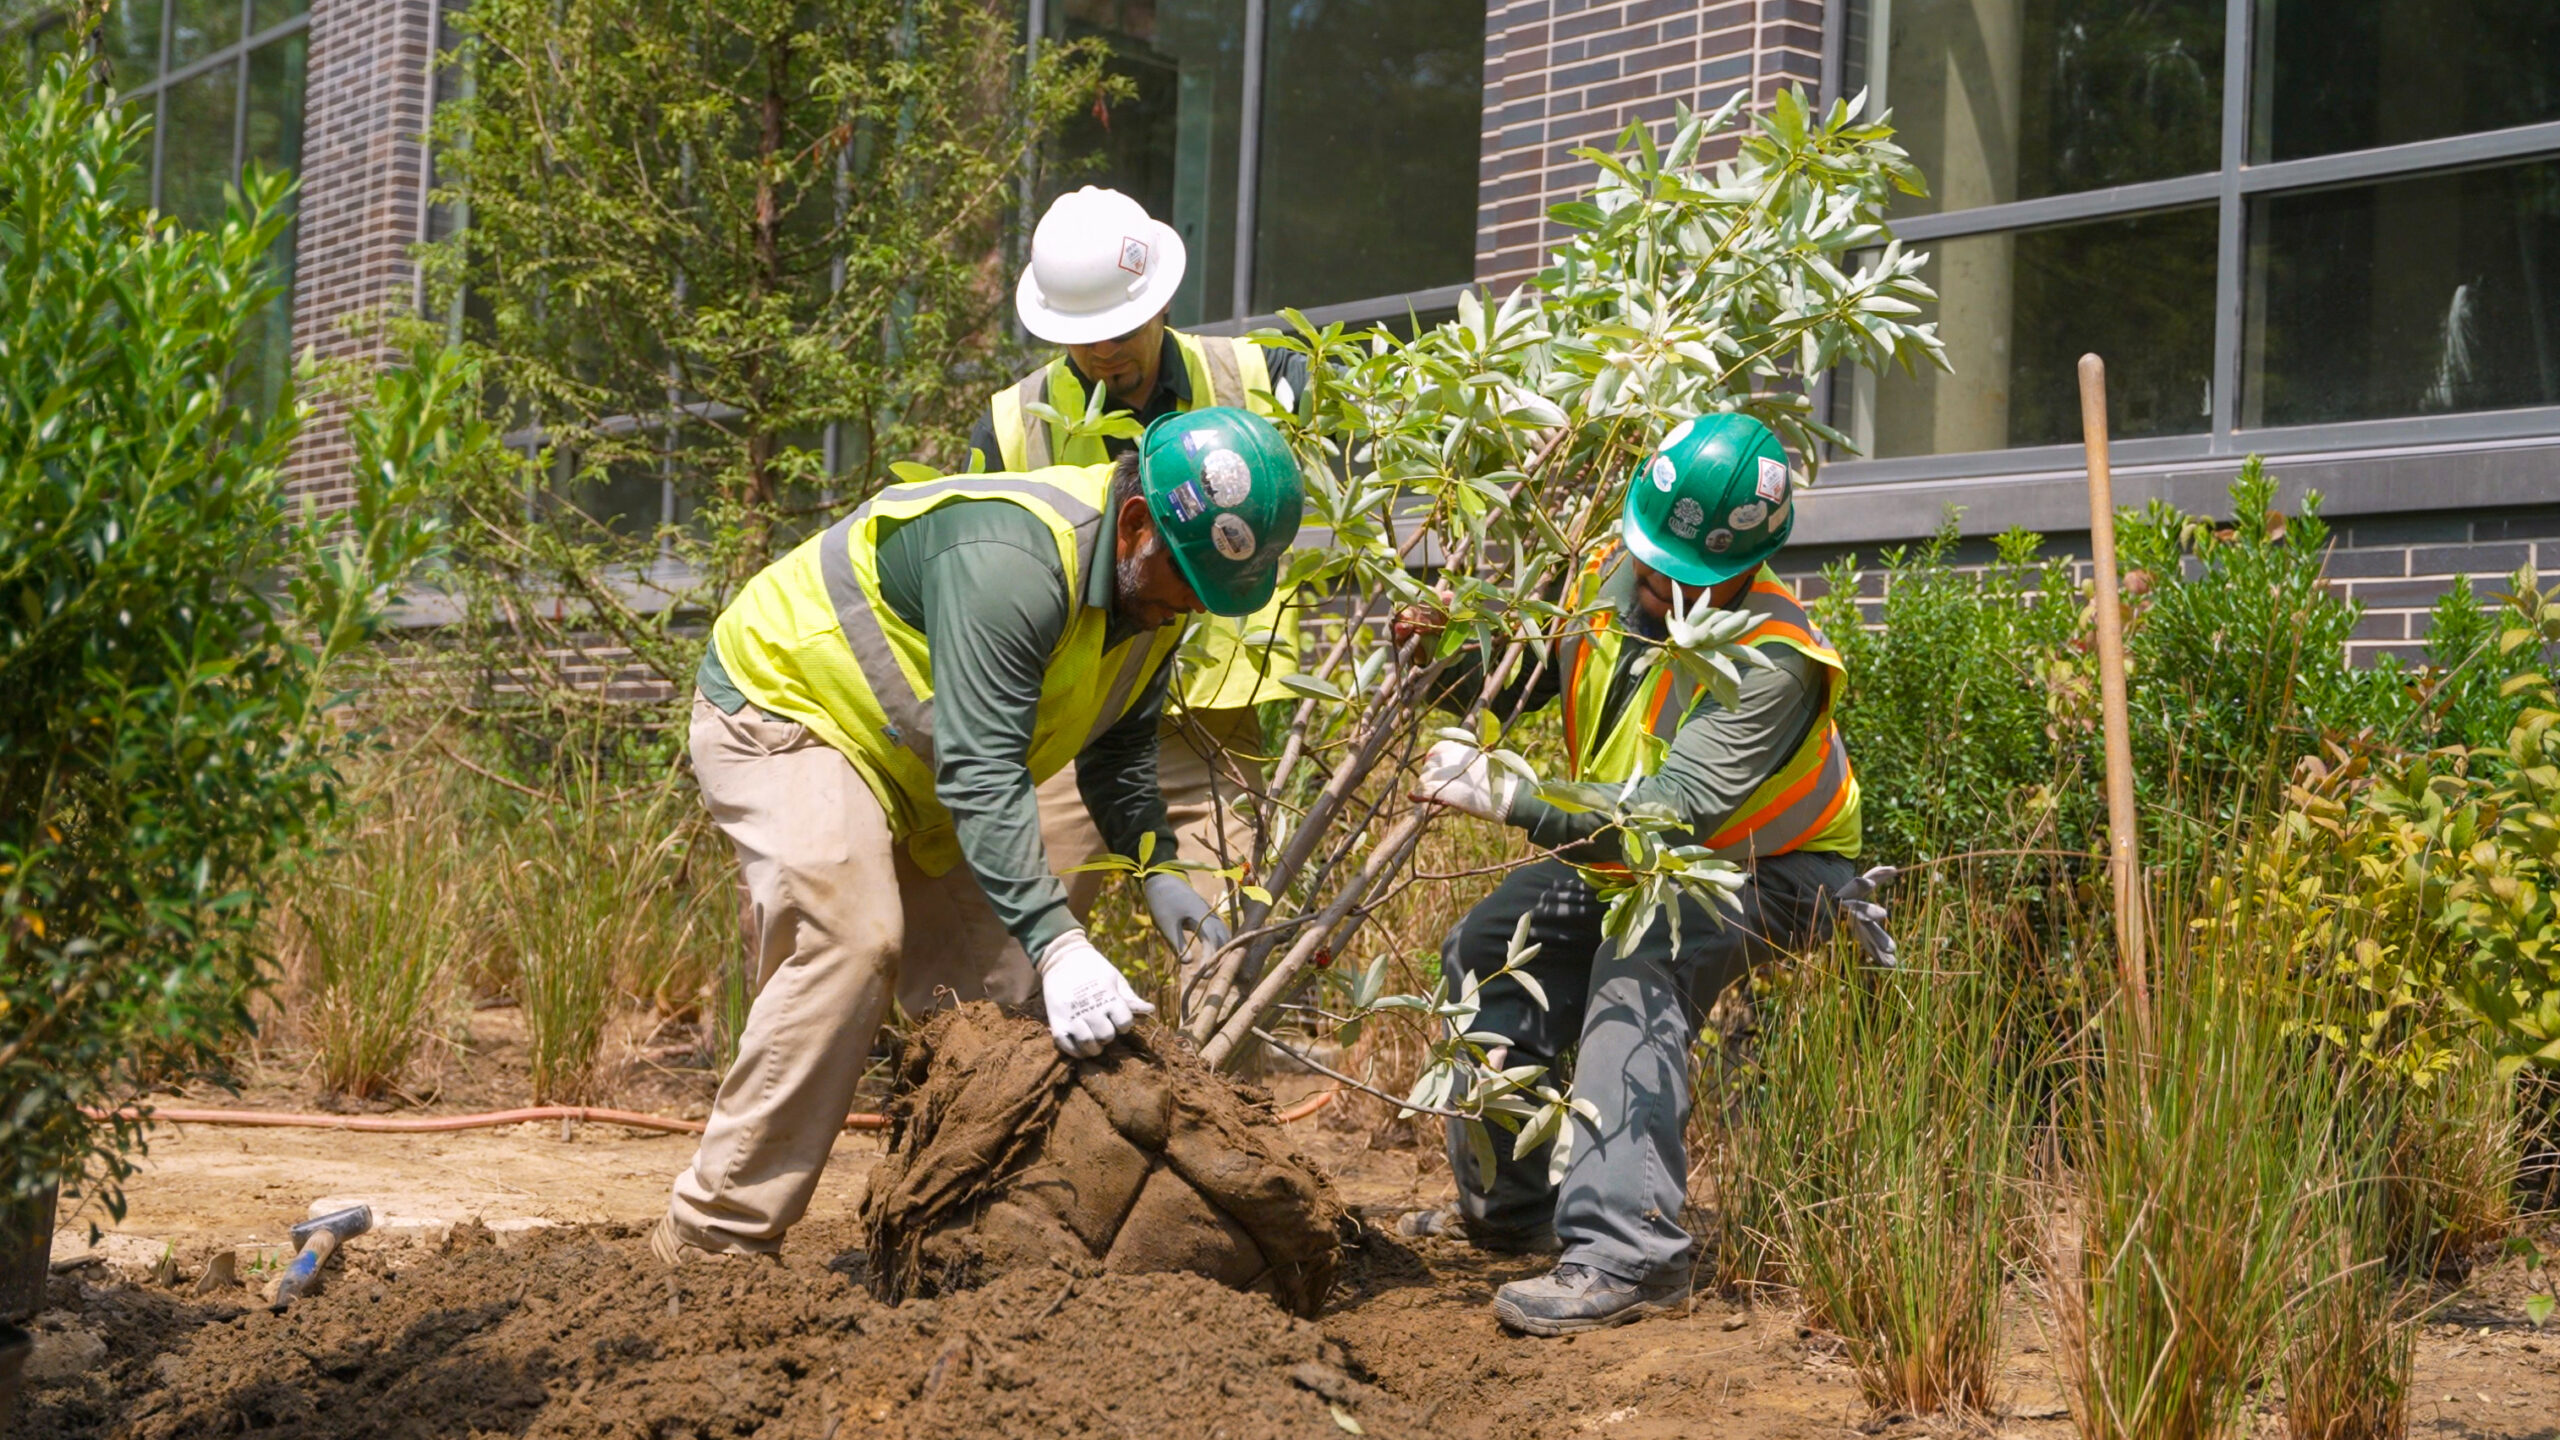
{"x":1719,"y":541}
{"x":1686,"y":517}
{"x":1229,"y":485}
{"x":1187,"y":502}
{"x":1133,"y":254}
{"x":1232,"y":536}
{"x":1663,"y":474}
{"x":1778,"y":516}
{"x":1773,"y":480}
{"x":1747,"y":517}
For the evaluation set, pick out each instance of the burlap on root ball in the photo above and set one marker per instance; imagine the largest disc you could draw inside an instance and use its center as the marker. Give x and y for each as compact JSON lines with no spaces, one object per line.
{"x":1003,"y":1153}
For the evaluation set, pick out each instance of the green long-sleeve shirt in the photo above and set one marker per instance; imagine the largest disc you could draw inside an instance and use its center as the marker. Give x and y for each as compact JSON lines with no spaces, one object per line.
{"x":1716,"y":758}
{"x":981,"y":579}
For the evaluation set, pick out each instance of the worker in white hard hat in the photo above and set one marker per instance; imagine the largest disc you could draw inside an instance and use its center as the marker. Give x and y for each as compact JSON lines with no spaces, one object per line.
{"x":1101,"y":281}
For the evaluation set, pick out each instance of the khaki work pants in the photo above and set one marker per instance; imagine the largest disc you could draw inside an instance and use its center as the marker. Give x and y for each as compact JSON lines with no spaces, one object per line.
{"x":1198,"y":791}
{"x":842,"y":921}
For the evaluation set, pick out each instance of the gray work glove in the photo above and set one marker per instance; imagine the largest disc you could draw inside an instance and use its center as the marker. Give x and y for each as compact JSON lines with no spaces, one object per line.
{"x":1866,"y":915}
{"x":1180,"y":913}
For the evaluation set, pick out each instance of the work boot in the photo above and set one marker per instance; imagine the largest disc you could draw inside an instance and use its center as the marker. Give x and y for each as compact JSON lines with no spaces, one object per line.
{"x":1448,"y":1224}
{"x":1574,"y":1297}
{"x":673,"y":1250}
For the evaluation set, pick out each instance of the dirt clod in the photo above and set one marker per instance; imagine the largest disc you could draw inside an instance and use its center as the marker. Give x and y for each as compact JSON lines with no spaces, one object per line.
{"x":1004,"y":1156}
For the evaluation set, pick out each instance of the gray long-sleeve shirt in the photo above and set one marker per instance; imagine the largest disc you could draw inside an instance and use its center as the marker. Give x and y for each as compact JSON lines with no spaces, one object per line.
{"x":1716,"y":758}
{"x":981,"y":579}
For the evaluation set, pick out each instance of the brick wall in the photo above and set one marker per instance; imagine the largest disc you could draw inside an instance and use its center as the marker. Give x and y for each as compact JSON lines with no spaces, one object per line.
{"x":363,"y":179}
{"x":1561,"y":74}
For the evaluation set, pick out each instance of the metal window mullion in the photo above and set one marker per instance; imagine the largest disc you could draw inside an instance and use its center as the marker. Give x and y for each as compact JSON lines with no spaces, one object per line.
{"x":2238,"y":25}
{"x":240,"y":98}
{"x":236,"y":51}
{"x":160,"y":110}
{"x":2062,"y":209}
{"x":1835,"y":50}
{"x":1248,"y":155}
{"x":2452,"y":152}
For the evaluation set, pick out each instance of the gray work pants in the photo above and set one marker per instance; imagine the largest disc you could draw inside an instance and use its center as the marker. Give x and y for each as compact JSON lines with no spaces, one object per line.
{"x":1631,"y":1020}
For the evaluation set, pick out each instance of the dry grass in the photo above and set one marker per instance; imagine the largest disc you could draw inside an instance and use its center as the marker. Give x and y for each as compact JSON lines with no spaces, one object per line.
{"x":371,"y":935}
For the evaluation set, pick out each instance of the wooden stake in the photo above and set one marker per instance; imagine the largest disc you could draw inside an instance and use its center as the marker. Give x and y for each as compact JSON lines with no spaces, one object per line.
{"x":2124,"y":835}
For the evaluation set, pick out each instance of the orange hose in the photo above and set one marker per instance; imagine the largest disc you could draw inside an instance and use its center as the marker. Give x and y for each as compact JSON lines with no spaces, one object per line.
{"x":432,"y":1124}
{"x":1307,"y":1107}
{"x":493,"y":1119}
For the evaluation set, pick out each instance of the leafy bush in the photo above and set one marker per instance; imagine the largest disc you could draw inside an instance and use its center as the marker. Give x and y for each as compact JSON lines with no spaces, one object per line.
{"x":2237,"y":653}
{"x":158,"y":687}
{"x":1951,"y":709}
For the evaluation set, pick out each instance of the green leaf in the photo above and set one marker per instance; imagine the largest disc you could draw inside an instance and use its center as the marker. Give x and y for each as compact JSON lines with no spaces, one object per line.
{"x":2537,"y":1308}
{"x":912,"y":471}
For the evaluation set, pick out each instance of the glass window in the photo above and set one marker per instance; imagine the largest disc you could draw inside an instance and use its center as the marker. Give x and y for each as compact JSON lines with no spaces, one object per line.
{"x":2002,"y":100}
{"x":2018,"y":310}
{"x":273,"y":131}
{"x":195,"y":144}
{"x":2420,"y":296}
{"x":131,"y":37}
{"x":266,"y":13}
{"x":197,"y":28}
{"x":1371,"y":116}
{"x":2338,"y":75}
{"x":1172,"y":145}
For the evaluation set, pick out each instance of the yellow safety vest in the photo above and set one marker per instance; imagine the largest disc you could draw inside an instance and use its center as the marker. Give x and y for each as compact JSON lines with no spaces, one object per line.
{"x":1229,"y":674}
{"x":1811,"y":803}
{"x":810,"y":639}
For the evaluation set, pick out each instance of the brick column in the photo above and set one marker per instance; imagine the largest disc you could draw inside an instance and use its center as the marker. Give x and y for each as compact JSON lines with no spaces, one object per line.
{"x":363,"y":192}
{"x":1560,"y":74}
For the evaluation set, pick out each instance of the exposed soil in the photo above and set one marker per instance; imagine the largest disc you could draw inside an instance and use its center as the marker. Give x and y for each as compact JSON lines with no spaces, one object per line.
{"x":1005,"y":1155}
{"x":559,"y":1324}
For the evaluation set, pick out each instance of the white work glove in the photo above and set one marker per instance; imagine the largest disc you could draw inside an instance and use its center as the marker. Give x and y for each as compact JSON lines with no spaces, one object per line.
{"x":1180,"y":913}
{"x":1089,"y":1001}
{"x":1866,"y":915}
{"x":1459,"y":776}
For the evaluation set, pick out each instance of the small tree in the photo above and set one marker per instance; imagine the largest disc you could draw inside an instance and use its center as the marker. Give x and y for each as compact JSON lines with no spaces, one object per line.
{"x":744,"y":255}
{"x":167,"y":621}
{"x":1682,"y":288}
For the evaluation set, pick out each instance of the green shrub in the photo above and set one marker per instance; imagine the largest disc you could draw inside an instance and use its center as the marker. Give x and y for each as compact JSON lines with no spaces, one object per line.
{"x":158,"y":687}
{"x":1961,"y":740}
{"x":2237,"y":652}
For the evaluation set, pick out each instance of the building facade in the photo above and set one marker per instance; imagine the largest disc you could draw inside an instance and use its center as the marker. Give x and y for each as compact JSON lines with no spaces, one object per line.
{"x":2325,"y":231}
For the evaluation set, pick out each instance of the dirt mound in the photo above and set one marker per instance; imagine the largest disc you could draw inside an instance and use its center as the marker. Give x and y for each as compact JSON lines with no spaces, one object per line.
{"x":579,"y":1334}
{"x":1005,"y":1156}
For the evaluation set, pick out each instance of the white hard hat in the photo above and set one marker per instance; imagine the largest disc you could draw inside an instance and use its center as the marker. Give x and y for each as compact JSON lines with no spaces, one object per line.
{"x":1101,"y":266}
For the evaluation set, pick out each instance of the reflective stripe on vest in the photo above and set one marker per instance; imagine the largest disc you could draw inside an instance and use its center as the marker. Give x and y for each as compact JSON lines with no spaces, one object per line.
{"x":1811,"y":803}
{"x":878,"y":709}
{"x":1226,"y":369}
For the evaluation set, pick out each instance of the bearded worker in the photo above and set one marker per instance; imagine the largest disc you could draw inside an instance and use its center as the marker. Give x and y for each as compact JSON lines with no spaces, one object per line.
{"x":869,"y":725}
{"x":1764,"y":782}
{"x":1102,"y":278}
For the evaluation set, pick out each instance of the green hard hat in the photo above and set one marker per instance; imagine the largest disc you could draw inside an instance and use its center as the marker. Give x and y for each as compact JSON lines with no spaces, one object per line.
{"x":1713,"y":502}
{"x":1226,"y":495}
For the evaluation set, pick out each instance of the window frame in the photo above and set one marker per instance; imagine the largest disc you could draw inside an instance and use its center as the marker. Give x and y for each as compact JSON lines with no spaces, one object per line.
{"x":156,"y":90}
{"x":1242,"y":316}
{"x":2231,"y":188}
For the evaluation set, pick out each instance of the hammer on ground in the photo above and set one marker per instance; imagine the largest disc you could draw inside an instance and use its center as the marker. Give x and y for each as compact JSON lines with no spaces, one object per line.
{"x":319,"y":1238}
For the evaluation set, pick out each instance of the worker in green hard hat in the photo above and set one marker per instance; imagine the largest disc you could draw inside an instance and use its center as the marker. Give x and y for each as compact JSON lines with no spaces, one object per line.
{"x":870,"y":722}
{"x":1100,"y":284}
{"x":1765,"y":782}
